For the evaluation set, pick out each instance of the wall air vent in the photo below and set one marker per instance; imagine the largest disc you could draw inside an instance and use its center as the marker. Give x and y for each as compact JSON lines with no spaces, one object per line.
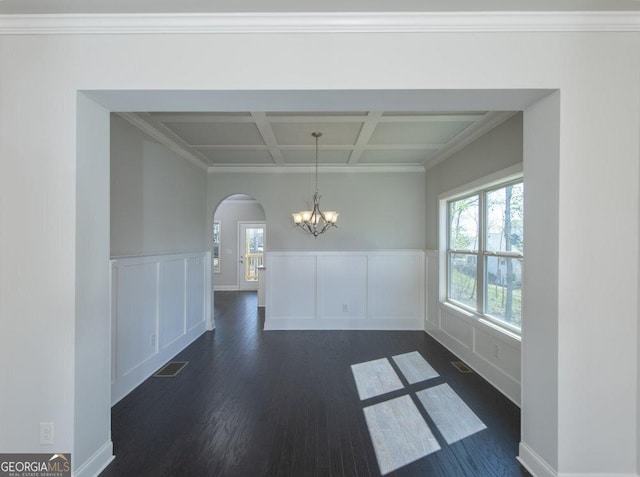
{"x":171,"y":369}
{"x":460,"y":366}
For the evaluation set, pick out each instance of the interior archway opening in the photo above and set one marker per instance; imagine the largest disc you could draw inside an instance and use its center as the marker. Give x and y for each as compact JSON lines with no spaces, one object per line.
{"x":238,"y":246}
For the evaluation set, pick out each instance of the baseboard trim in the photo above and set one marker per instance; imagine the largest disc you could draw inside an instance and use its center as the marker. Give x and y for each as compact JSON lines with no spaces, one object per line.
{"x":535,"y":464}
{"x":329,"y":324}
{"x":588,"y":474}
{"x":608,"y":474}
{"x":226,"y":288}
{"x":122,"y":387}
{"x":538,"y":467}
{"x":97,"y":462}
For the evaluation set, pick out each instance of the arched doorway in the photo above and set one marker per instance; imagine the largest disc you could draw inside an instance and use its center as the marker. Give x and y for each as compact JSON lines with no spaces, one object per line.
{"x":238,"y":243}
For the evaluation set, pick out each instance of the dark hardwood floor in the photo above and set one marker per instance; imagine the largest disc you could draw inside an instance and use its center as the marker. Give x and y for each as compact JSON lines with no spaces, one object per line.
{"x":255,"y":403}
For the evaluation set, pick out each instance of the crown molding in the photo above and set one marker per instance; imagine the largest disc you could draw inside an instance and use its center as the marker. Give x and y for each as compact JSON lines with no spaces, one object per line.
{"x":310,"y":169}
{"x":162,"y":138}
{"x":467,"y":136}
{"x":333,"y":22}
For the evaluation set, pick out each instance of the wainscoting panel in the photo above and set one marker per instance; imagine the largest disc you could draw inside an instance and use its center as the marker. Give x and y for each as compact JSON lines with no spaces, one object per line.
{"x":382,"y":290}
{"x":433,"y":309}
{"x":494,"y":354}
{"x":159,"y":306}
{"x":396,"y":281}
{"x":457,"y":327}
{"x":172,"y":301}
{"x":502,"y":354}
{"x":294,"y":292}
{"x":342,"y":287}
{"x":137,"y":308}
{"x":196,"y":302}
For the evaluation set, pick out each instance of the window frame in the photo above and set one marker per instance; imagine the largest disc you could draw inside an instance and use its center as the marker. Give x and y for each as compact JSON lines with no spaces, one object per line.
{"x":481,"y":187}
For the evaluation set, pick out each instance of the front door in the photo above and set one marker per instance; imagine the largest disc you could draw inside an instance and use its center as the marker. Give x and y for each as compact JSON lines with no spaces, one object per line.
{"x":251,"y":253}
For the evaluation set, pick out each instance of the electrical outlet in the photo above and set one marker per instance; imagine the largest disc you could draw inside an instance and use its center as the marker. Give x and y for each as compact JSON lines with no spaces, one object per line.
{"x":46,"y":433}
{"x":496,"y":351}
{"x":153,"y":340}
{"x":345,"y":308}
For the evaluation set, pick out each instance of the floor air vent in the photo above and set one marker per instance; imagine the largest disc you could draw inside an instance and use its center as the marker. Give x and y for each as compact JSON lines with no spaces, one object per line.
{"x":460,"y":366}
{"x":171,"y":369}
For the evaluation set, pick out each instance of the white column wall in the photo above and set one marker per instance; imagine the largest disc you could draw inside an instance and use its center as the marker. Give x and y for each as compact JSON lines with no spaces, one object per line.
{"x":597,"y":305}
{"x":92,"y":416}
{"x":541,"y":151}
{"x":596,"y":73}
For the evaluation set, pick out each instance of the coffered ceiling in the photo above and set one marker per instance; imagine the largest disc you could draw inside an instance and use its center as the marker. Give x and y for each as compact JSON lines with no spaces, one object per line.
{"x":350,"y":139}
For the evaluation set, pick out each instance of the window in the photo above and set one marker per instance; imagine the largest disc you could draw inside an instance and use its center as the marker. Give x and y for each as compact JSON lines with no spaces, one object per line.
{"x":216,"y":247}
{"x":485,"y":252}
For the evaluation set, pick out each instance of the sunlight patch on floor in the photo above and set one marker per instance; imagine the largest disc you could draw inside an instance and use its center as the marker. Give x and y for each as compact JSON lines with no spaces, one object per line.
{"x":399,"y":433}
{"x":375,"y":378}
{"x":452,"y":416}
{"x":414,"y":367}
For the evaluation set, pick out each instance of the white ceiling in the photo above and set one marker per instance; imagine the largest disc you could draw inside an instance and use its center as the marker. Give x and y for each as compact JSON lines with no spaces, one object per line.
{"x":275,"y":6}
{"x":350,"y":139}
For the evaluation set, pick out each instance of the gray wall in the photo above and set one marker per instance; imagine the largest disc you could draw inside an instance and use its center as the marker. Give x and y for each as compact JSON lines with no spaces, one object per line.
{"x":158,"y":199}
{"x":229,"y":213}
{"x":377,"y":210}
{"x":498,"y":149}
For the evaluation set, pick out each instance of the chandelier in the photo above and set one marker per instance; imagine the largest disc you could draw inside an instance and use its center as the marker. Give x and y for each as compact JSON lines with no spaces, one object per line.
{"x":315,"y":222}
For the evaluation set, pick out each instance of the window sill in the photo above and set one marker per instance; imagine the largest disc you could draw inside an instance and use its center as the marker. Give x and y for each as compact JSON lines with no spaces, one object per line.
{"x":482,"y":322}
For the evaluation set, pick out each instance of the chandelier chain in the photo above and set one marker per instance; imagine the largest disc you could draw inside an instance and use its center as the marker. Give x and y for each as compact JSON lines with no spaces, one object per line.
{"x":316,"y":135}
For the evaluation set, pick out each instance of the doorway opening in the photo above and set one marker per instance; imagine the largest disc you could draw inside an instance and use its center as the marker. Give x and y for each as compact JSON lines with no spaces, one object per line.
{"x":239,"y":243}
{"x":538,"y":161}
{"x":251,"y":245}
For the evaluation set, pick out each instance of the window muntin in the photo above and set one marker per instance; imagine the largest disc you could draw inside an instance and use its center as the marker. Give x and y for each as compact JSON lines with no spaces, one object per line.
{"x":485,"y":252}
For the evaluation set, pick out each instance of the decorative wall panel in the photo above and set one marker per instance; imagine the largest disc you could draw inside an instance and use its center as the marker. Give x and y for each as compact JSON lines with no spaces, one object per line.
{"x":160,"y":304}
{"x":381,"y":290}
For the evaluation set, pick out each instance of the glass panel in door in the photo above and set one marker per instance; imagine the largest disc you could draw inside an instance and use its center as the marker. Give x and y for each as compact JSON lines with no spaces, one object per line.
{"x":252,"y":242}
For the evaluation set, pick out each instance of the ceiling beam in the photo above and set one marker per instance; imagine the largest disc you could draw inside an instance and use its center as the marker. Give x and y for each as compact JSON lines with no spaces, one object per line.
{"x":314,"y":118}
{"x":431,"y":118}
{"x":202,"y":118}
{"x":365,"y":134}
{"x":268,"y":136}
{"x":257,"y":169}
